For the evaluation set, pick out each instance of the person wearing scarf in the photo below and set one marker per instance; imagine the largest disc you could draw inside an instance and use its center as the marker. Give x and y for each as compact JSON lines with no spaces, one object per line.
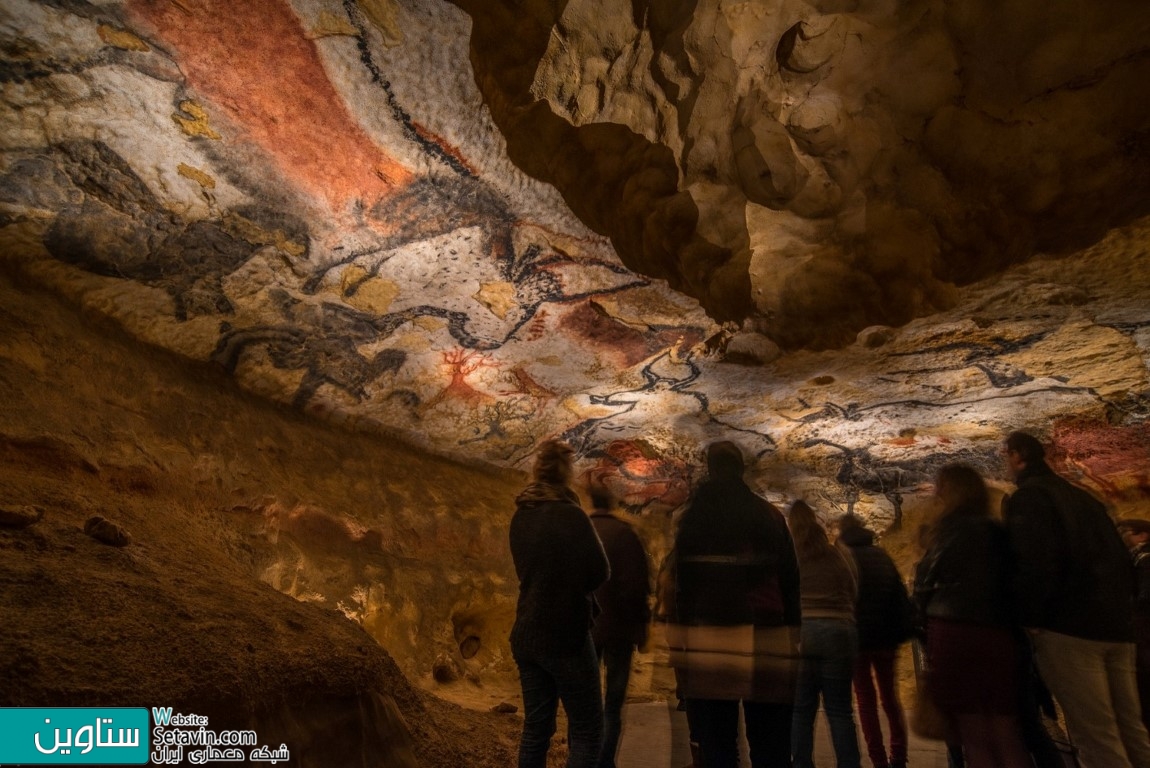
{"x":560,"y":562}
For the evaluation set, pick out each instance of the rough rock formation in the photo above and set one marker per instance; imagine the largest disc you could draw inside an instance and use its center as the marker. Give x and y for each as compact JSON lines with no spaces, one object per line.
{"x":826,"y":165}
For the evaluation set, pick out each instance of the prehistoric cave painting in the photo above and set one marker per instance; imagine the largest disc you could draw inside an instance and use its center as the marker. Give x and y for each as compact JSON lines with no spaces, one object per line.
{"x":492,"y":424}
{"x":427,"y":208}
{"x":328,"y":354}
{"x":431,"y":145}
{"x":860,"y":471}
{"x":1114,"y":459}
{"x":981,"y":355}
{"x":225,"y":47}
{"x":666,"y":375}
{"x":110,"y":223}
{"x":591,"y":323}
{"x":642,"y":477}
{"x":461,"y":364}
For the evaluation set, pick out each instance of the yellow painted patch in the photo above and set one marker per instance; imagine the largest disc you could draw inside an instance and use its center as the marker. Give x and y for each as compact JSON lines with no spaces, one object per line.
{"x":121,"y":38}
{"x":429,"y":324}
{"x":196,"y":175}
{"x":372,"y":295}
{"x":583,"y":410}
{"x":248,"y":230}
{"x":383,"y":14}
{"x":197,"y":124}
{"x":330,"y":25}
{"x":498,"y":297}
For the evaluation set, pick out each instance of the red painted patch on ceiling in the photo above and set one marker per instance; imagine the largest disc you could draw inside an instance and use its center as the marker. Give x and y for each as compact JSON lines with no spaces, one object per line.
{"x":588,"y":320}
{"x":252,"y":60}
{"x":640,"y":478}
{"x":1115,"y":458}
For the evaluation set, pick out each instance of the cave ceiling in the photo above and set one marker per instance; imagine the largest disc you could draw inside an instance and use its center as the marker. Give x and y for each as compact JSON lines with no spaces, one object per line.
{"x":859,"y":238}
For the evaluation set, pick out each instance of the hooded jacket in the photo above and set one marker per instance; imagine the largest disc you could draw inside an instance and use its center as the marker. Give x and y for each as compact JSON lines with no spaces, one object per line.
{"x":883,"y":611}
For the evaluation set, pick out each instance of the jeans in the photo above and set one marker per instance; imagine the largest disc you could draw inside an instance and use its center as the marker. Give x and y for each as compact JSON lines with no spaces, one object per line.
{"x":1094,"y":683}
{"x":882,"y":662}
{"x":548,"y":679}
{"x":617,"y":660}
{"x":827,"y":669}
{"x":768,"y":727}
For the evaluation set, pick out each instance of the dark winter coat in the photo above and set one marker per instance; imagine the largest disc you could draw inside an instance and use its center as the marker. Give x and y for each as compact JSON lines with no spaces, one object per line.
{"x":1074,"y":573}
{"x":624,"y":599}
{"x":734,"y":560}
{"x":966,"y":574}
{"x":883,"y":610}
{"x":560,"y":563}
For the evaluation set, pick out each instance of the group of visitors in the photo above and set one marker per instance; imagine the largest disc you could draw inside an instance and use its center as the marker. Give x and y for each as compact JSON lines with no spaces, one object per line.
{"x":769,"y":616}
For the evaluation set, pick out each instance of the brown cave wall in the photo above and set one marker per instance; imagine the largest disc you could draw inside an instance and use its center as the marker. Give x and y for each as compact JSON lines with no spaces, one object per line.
{"x":409,"y":546}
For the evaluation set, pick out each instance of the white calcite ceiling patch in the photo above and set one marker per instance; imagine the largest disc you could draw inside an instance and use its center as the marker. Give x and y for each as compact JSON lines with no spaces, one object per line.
{"x":332,"y":202}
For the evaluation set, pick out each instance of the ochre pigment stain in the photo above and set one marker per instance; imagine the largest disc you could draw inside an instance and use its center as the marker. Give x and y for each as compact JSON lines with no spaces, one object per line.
{"x":253,"y":61}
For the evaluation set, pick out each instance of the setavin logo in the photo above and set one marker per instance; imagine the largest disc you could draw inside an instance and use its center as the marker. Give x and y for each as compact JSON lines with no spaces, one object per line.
{"x":74,"y":736}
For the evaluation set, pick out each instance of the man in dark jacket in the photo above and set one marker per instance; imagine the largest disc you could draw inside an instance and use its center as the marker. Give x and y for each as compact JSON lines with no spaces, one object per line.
{"x":884,"y":617}
{"x":1074,"y":588}
{"x":624,"y":613}
{"x":560,"y":563}
{"x":736,"y":616}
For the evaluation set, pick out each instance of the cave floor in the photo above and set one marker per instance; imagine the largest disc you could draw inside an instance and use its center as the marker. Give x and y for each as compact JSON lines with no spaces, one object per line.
{"x":655,"y":736}
{"x":655,"y":733}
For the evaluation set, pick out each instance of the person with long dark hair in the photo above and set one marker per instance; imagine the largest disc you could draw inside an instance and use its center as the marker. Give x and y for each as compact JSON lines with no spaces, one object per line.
{"x":560,"y":563}
{"x":962,"y":587}
{"x":828,"y":588}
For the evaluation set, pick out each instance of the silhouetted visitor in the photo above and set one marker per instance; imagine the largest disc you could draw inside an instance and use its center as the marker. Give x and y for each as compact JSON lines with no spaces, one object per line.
{"x":962,"y":587}
{"x":1136,"y":535}
{"x":884,"y":617}
{"x":1075,"y":591}
{"x":560,"y":563}
{"x":829,"y":587}
{"x":625,"y":613}
{"x":733,"y":629}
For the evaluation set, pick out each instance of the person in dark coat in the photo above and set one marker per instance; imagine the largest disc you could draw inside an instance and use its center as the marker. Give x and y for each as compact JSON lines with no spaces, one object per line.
{"x":1075,"y":591}
{"x":963,"y":588}
{"x":560,"y":563}
{"x":1136,"y":535}
{"x":736,"y":579}
{"x":884,"y":616}
{"x":624,"y":612}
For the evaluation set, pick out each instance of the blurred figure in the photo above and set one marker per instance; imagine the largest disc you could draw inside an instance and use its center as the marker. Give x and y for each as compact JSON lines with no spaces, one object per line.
{"x":1136,"y":535}
{"x":962,"y":587}
{"x":560,"y":563}
{"x":1075,"y":590}
{"x":625,"y":613}
{"x":884,"y":617}
{"x":735,"y":617}
{"x":828,"y":588}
